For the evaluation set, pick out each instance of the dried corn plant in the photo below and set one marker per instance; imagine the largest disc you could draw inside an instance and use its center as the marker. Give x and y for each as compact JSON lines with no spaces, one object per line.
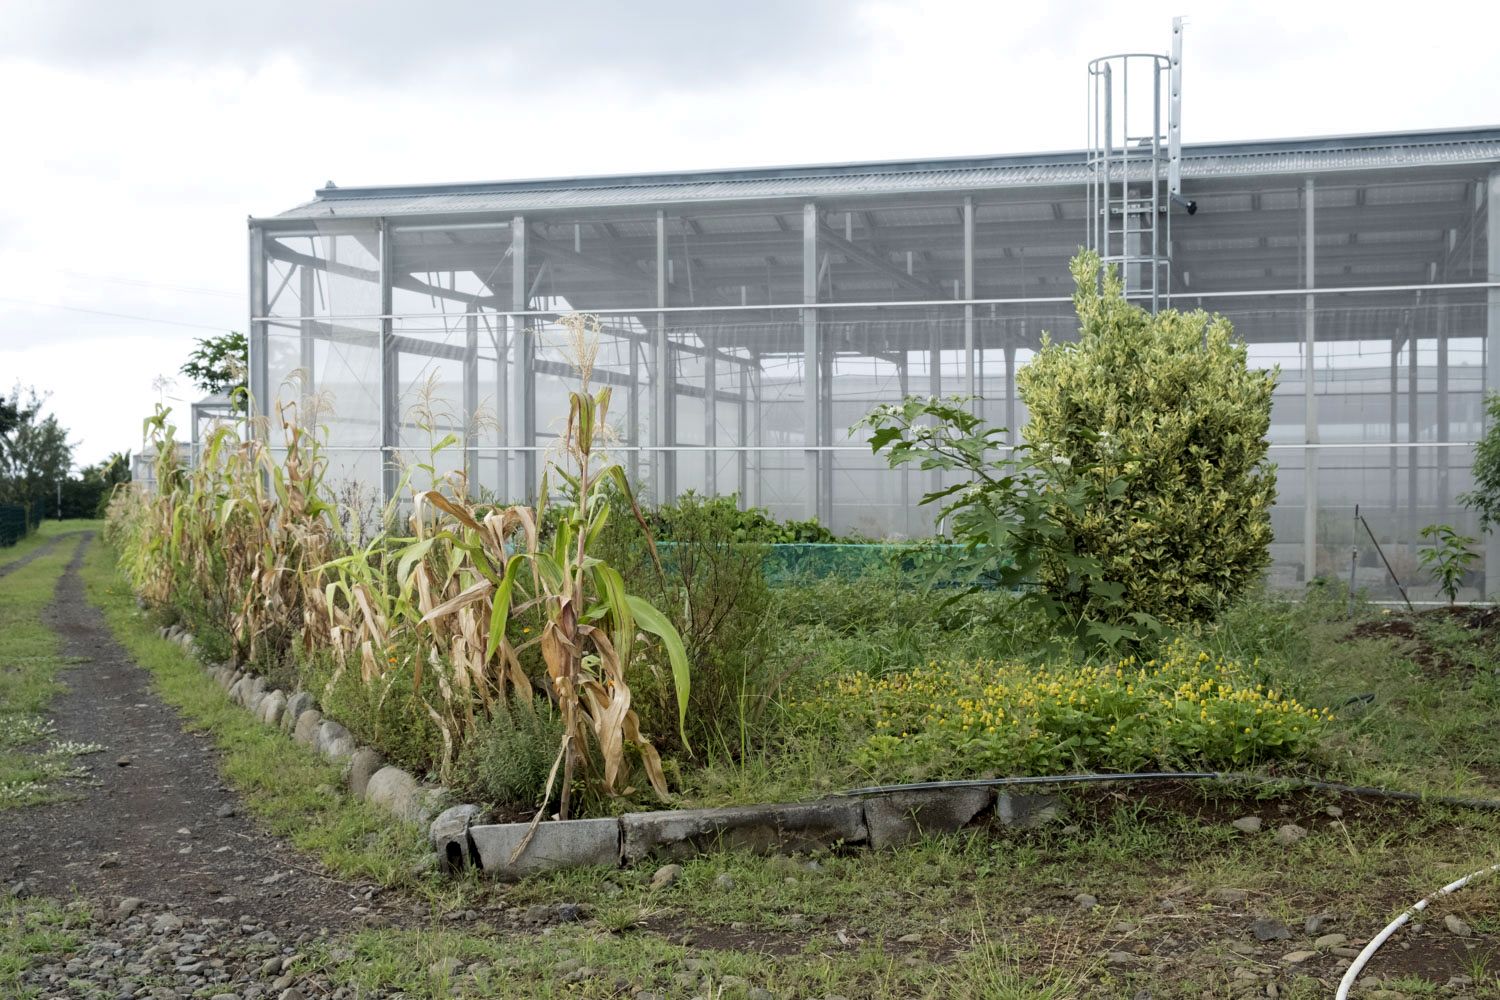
{"x":245,"y":530}
{"x":147,"y":523}
{"x":477,"y":568}
{"x":251,"y":528}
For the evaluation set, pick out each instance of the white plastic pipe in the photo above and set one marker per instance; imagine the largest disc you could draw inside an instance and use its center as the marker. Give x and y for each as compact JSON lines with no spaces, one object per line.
{"x":1347,"y":983}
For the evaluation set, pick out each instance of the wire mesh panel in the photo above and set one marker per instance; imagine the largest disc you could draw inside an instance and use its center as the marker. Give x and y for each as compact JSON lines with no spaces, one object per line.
{"x":744,"y":337}
{"x":323,"y":344}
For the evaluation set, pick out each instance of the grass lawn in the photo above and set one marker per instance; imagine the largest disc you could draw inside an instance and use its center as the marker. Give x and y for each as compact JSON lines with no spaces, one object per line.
{"x":1135,"y":889}
{"x":32,"y":761}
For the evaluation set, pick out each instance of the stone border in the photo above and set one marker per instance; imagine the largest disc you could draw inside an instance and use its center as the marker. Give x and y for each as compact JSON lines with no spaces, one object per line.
{"x":463,"y":840}
{"x":366,"y":773}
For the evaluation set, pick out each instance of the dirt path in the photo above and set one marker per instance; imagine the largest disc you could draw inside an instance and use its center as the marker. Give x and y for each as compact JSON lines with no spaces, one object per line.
{"x":156,"y":823}
{"x":38,"y":552}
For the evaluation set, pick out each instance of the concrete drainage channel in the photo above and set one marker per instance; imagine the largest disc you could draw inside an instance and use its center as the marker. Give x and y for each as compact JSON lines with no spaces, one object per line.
{"x":462,"y":840}
{"x":879,"y":822}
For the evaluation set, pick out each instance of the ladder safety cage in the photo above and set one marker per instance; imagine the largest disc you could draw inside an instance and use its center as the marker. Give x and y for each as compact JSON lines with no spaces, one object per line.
{"x":1134,"y":166}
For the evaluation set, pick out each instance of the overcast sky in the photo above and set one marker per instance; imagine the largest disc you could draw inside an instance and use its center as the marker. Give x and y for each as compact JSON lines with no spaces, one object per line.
{"x":139,"y":135}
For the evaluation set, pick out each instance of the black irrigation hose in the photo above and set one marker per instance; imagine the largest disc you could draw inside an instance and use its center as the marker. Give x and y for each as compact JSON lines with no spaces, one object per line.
{"x":1362,"y":791}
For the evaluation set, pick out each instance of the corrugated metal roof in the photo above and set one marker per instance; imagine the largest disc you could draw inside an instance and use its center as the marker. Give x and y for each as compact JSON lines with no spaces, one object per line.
{"x":1244,"y":159}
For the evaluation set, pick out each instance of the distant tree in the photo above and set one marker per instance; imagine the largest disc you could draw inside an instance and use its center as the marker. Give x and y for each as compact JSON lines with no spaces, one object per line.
{"x":220,"y":364}
{"x":35,"y":454}
{"x":13,"y":411}
{"x":88,"y":493}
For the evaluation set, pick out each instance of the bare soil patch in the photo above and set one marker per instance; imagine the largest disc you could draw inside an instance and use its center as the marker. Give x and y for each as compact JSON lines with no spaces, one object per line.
{"x":1410,"y":630}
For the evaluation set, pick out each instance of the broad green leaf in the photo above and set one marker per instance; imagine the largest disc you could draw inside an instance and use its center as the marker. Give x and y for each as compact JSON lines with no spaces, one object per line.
{"x":656,"y":623}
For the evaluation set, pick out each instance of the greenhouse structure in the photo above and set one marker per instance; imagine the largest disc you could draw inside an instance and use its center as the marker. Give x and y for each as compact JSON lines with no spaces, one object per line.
{"x":750,"y":317}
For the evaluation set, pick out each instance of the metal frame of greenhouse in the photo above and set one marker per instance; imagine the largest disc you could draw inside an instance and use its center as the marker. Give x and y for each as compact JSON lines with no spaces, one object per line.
{"x":750,"y":317}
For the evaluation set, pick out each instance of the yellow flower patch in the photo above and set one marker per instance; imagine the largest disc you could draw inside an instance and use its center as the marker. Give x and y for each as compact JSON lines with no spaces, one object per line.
{"x":1184,"y":709}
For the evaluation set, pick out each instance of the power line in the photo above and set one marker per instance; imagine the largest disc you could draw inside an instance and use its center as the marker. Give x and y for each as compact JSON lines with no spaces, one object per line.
{"x":115,"y":315}
{"x":154,"y":284}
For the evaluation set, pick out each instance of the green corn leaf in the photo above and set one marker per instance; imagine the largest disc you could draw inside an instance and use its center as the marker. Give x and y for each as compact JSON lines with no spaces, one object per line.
{"x":411,"y":556}
{"x":612,"y":587}
{"x":500,"y":613}
{"x":656,"y":623}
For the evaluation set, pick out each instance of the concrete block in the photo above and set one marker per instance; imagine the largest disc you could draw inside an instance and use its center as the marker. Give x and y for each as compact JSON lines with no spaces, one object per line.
{"x":1027,"y":810}
{"x":572,"y":843}
{"x":767,"y":829}
{"x":334,"y":741}
{"x":362,"y":765}
{"x":453,"y":822}
{"x":393,"y":790}
{"x":306,"y":730}
{"x":904,"y":817}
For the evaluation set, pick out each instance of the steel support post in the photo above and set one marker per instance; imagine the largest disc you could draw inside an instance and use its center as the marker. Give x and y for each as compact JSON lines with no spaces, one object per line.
{"x":1309,"y":386}
{"x":1395,"y":429}
{"x":259,"y":370}
{"x":757,"y":434}
{"x":523,"y":371}
{"x":633,"y":414}
{"x":1492,"y":350}
{"x":390,"y":373}
{"x":710,"y":413}
{"x":1413,"y":434}
{"x":471,"y":401}
{"x":1443,"y":430}
{"x":903,"y":377}
{"x":503,"y":326}
{"x":664,"y":384}
{"x":935,"y":388}
{"x":825,"y":431}
{"x":811,"y":390}
{"x":306,"y":289}
{"x":1013,"y":433}
{"x":742,"y":437}
{"x":970,"y":369}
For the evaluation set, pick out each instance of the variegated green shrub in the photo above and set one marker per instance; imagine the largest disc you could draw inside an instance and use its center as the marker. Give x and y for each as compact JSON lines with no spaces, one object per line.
{"x":1173,"y":394}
